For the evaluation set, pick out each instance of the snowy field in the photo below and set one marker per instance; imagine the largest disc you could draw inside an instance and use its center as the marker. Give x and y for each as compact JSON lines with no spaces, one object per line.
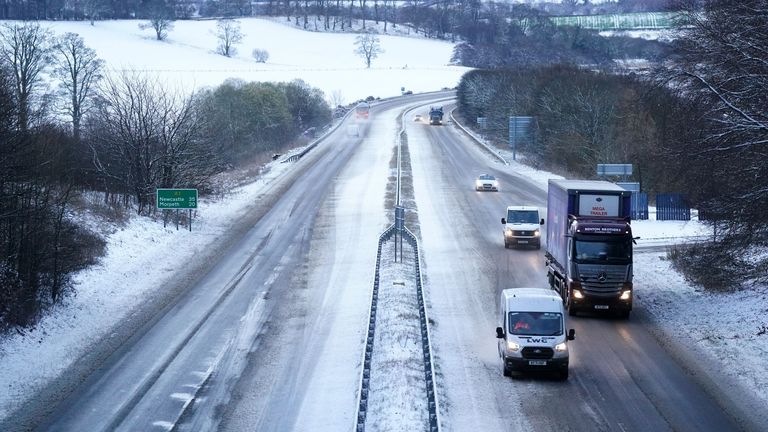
{"x":728,"y":322}
{"x":187,"y":58}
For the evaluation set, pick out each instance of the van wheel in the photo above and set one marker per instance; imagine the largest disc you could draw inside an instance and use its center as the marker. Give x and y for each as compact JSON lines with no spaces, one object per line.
{"x":563,"y":375}
{"x":506,"y":371}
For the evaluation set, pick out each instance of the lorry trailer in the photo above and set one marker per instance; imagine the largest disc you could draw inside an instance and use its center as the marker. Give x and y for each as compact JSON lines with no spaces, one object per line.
{"x":589,"y":245}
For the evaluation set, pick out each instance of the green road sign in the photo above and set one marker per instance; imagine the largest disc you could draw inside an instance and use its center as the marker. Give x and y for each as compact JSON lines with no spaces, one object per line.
{"x":177,"y":199}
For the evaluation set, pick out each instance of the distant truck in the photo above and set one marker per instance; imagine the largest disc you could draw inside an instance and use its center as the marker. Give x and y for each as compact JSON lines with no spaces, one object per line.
{"x":521,"y":227}
{"x":589,"y":245}
{"x":436,"y":115}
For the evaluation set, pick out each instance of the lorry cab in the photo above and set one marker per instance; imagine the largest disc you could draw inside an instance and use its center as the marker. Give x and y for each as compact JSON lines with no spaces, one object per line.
{"x":531,"y":333}
{"x":522,"y":226}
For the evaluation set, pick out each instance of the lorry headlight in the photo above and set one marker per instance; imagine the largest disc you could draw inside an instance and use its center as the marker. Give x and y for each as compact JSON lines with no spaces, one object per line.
{"x":512,"y":346}
{"x":577,"y":294}
{"x":536,"y":233}
{"x":561,"y":347}
{"x":626,"y":295}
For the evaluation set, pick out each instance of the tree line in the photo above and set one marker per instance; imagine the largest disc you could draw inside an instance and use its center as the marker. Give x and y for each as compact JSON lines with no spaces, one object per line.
{"x":698,"y":124}
{"x":121,"y":135}
{"x":582,"y":118}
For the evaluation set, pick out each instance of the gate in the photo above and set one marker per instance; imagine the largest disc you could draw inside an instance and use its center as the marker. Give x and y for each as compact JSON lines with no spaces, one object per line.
{"x":639,"y":209}
{"x":672,"y":207}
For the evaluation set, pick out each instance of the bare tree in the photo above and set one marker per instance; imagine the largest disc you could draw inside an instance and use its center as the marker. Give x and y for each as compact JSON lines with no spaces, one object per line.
{"x":23,"y":49}
{"x":145,"y":137}
{"x":95,"y":9}
{"x":722,"y":65}
{"x":229,"y":34}
{"x":160,"y":25}
{"x":368,"y":47}
{"x":337,"y":98}
{"x":362,"y":11}
{"x":78,"y":69}
{"x":260,"y":55}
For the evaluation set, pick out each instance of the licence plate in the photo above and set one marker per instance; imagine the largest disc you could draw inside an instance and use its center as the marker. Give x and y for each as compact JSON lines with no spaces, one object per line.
{"x":601,"y":306}
{"x":537,"y":362}
{"x":523,"y":241}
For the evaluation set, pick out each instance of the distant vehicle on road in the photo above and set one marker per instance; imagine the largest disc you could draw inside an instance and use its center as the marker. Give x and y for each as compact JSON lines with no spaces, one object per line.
{"x":362,"y":110}
{"x":417,"y":117}
{"x":436,"y":115}
{"x":531,"y":333}
{"x":487,"y":182}
{"x":521,"y":226}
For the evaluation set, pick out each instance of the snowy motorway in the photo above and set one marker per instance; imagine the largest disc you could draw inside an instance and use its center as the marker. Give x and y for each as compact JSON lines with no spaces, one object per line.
{"x":270,"y":337}
{"x":621,"y":379}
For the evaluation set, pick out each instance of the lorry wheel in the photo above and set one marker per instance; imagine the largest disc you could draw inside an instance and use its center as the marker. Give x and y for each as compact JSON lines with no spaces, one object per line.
{"x":569,"y":304}
{"x":563,"y":375}
{"x":623,"y":314}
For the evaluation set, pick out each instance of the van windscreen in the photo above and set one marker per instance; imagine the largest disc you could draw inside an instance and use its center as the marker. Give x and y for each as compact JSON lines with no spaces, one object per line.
{"x":535,"y":323}
{"x":523,"y":216}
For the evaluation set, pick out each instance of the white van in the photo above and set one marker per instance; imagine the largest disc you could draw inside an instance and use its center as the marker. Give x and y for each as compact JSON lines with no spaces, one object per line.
{"x":522,"y":226}
{"x":531,"y":331}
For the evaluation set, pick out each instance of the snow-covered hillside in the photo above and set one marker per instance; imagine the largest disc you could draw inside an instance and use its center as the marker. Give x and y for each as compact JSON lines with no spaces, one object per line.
{"x":324,"y":60}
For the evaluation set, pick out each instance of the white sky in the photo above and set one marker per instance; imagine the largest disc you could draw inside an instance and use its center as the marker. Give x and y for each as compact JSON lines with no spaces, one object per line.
{"x":727,"y":322}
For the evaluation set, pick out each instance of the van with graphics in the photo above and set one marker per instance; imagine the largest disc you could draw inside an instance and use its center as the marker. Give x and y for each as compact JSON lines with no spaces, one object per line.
{"x":531,"y":333}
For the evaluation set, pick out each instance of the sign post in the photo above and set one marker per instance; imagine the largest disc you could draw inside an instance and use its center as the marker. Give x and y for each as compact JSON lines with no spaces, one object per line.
{"x":399,"y":227}
{"x":624,"y":170}
{"x":177,"y":199}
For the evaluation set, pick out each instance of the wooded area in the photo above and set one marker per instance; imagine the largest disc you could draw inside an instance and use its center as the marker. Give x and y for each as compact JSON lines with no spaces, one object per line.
{"x":126,"y":135}
{"x":697,"y":124}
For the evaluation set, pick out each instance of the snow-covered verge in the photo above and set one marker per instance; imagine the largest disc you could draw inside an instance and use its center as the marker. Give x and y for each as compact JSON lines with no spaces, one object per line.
{"x":142,"y":255}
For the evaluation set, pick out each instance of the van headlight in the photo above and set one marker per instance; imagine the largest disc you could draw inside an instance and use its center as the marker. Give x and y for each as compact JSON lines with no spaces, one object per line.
{"x":561,"y":347}
{"x":512,"y":346}
{"x":536,"y":233}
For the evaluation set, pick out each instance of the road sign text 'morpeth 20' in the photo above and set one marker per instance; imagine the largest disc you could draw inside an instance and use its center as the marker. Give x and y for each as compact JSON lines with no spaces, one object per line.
{"x":176,"y":199}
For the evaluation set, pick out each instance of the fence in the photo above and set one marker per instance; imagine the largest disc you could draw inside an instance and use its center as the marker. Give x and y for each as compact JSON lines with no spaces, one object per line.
{"x":672,"y":207}
{"x":639,"y":209}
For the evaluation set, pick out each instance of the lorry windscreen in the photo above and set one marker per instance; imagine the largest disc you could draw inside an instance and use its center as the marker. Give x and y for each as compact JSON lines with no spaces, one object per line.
{"x":601,"y":249}
{"x":523,"y":216}
{"x":535,"y":323}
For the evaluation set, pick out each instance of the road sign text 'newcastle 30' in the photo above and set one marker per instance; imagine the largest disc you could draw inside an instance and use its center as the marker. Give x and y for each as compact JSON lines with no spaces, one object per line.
{"x":177,"y":199}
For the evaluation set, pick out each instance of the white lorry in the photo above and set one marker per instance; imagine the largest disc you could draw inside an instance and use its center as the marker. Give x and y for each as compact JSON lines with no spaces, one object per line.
{"x":522,"y":226}
{"x":531,"y":333}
